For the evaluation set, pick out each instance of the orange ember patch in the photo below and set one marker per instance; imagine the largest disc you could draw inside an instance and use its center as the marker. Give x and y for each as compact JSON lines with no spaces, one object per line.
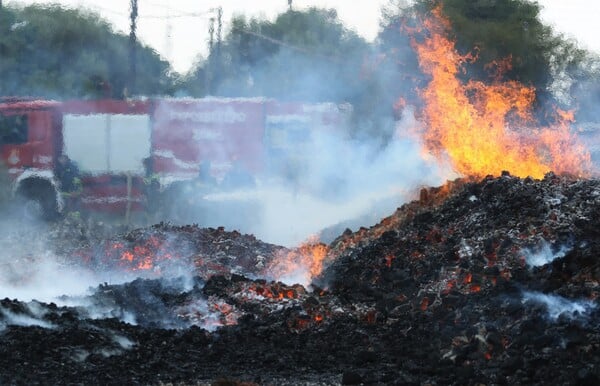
{"x":299,"y":324}
{"x":146,"y":256}
{"x":272,"y":292}
{"x":449,"y":286}
{"x":482,"y":128}
{"x":127,"y":255}
{"x":468,"y":278}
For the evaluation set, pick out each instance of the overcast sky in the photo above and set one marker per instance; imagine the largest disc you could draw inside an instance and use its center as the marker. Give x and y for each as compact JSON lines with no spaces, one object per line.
{"x":178,"y":29}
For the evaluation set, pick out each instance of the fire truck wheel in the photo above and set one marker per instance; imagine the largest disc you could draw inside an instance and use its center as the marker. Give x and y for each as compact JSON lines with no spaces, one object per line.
{"x":35,"y":209}
{"x":37,"y":200}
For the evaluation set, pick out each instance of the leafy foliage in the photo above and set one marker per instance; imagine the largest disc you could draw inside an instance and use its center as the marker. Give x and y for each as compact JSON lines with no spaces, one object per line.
{"x":66,"y":53}
{"x":306,"y":55}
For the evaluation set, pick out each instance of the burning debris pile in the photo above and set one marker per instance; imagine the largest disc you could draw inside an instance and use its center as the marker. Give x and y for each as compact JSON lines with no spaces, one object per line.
{"x":491,"y":281}
{"x":203,"y":251}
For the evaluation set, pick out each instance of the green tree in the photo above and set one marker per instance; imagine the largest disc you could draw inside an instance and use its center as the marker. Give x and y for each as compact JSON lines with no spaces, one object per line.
{"x":302,"y":55}
{"x":50,"y":51}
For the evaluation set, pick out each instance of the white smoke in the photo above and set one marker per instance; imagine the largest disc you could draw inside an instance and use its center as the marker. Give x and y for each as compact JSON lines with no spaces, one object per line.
{"x":30,"y":273}
{"x":558,"y":305}
{"x":33,"y":316}
{"x":544,"y":254}
{"x":43,"y":279}
{"x":341,"y":181}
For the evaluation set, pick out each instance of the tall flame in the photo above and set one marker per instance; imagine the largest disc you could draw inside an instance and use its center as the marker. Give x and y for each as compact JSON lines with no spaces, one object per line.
{"x":486,"y":129}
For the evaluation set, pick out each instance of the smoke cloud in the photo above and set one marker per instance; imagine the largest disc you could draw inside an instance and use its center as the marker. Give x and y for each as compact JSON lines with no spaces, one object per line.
{"x":30,"y":271}
{"x":544,"y":254}
{"x":32,"y":316}
{"x":558,"y":306}
{"x":344,"y":183}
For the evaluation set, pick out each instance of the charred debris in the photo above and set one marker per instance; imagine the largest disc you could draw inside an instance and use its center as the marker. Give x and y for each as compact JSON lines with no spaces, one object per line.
{"x":477,"y":282}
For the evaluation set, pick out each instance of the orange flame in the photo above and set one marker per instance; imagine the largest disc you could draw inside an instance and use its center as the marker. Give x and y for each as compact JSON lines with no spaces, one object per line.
{"x":315,"y":254}
{"x":302,"y":263}
{"x":485,"y":129}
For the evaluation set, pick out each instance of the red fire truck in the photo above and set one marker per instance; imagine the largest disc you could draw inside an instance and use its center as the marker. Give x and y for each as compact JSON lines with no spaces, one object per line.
{"x":119,"y":147}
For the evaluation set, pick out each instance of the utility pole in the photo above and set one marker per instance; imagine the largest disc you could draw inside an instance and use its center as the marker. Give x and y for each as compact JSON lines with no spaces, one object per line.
{"x":290,"y":4}
{"x":219,"y":27}
{"x":217,"y":61}
{"x":211,"y":35}
{"x":1,"y":58}
{"x":209,"y":62}
{"x":132,"y":47}
{"x":168,"y":36}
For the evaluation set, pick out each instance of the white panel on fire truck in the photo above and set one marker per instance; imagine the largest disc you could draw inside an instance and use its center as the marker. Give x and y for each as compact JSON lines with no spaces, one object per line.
{"x":84,"y":139}
{"x":129,"y":143}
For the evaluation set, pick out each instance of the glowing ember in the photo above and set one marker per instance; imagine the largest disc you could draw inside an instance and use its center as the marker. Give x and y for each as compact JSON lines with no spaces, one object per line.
{"x":273,"y":292}
{"x":485,"y":129}
{"x":468,"y":278}
{"x":149,"y":256}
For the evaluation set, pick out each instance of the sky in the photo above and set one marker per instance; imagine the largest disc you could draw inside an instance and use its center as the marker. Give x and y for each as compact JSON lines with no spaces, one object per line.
{"x":178,"y":29}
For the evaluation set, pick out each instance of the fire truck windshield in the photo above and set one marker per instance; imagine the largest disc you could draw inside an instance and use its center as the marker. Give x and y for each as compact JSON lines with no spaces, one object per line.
{"x":13,"y":129}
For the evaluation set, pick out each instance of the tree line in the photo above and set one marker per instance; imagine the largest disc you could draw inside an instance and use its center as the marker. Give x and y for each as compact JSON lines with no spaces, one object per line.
{"x":308,"y":55}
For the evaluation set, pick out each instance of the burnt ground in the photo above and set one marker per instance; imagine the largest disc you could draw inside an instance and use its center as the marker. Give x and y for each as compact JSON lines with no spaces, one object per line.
{"x":478,"y":282}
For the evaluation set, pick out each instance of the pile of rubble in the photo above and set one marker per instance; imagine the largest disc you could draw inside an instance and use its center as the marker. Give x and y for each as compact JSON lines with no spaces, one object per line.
{"x":477,"y":282}
{"x":200,"y":251}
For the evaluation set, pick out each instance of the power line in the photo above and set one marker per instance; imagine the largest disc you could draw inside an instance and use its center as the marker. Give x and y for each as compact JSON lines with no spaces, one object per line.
{"x":181,"y":12}
{"x":142,"y":16}
{"x":288,"y":45}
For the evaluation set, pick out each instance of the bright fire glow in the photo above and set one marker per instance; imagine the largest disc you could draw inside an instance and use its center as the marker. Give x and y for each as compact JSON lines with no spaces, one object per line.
{"x":484,"y":129}
{"x":301,"y":264}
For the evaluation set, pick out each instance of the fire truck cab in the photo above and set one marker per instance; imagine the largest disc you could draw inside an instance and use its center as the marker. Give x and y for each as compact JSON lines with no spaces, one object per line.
{"x":106,"y":141}
{"x":30,"y":140}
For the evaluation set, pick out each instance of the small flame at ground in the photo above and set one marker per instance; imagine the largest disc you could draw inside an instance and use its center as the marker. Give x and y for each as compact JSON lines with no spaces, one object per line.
{"x":299,"y":265}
